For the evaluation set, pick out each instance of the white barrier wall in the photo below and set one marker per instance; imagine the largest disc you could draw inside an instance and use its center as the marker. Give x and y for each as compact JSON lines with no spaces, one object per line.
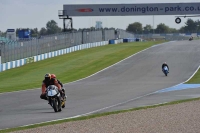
{"x":21,"y":62}
{"x":115,"y":41}
{"x":118,"y":41}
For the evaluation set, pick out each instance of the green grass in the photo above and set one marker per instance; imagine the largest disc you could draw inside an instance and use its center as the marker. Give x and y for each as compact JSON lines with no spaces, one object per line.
{"x":68,"y":67}
{"x":94,"y":116}
{"x":195,"y":79}
{"x":74,"y":66}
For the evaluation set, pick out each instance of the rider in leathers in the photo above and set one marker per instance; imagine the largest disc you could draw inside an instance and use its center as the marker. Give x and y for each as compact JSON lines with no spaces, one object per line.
{"x":165,"y":64}
{"x":49,"y":81}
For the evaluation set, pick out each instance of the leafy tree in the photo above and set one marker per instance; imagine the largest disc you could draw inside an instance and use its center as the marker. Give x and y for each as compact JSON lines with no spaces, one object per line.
{"x":74,"y":29}
{"x":191,"y":26}
{"x":92,"y":28}
{"x":147,"y":28}
{"x":135,"y":27}
{"x":182,"y":29}
{"x":111,"y":28}
{"x":34,"y":31}
{"x":198,"y":26}
{"x":2,"y":34}
{"x":52,"y":27}
{"x":162,"y":28}
{"x":173,"y":30}
{"x":43,"y":31}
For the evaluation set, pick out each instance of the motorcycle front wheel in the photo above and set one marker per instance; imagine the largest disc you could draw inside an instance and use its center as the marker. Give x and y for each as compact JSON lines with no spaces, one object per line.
{"x":56,"y":104}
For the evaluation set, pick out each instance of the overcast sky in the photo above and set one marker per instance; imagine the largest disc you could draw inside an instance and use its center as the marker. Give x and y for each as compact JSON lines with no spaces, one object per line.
{"x":36,"y":13}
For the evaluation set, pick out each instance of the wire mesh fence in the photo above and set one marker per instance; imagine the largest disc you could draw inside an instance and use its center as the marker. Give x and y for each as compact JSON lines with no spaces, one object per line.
{"x":168,"y":37}
{"x":14,"y":50}
{"x":23,"y":48}
{"x":124,"y":34}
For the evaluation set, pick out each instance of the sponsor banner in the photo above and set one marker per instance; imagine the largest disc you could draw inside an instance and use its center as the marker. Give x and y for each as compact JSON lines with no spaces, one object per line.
{"x":29,"y":60}
{"x":132,"y":9}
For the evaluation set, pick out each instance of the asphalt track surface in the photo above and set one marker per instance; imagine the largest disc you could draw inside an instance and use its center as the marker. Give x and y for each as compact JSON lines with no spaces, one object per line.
{"x":127,"y":84}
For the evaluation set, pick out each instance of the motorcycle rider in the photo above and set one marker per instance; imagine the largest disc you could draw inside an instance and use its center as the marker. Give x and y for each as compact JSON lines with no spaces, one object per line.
{"x":49,"y":81}
{"x":191,"y":38}
{"x":54,"y":77}
{"x":163,"y":65}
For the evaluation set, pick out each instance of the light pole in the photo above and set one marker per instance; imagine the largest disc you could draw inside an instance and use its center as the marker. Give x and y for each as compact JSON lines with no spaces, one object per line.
{"x":153,"y":24}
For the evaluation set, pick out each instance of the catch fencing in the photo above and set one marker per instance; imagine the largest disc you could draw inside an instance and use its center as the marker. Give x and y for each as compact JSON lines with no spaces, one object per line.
{"x":19,"y":49}
{"x":120,"y":34}
{"x":168,"y":37}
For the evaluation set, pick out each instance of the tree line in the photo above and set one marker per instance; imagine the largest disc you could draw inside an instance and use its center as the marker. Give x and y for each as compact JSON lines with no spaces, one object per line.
{"x":190,"y":26}
{"x":51,"y":28}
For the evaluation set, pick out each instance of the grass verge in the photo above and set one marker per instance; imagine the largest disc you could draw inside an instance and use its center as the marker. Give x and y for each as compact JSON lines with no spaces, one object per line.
{"x":94,"y":116}
{"x":69,"y":67}
{"x":195,"y":79}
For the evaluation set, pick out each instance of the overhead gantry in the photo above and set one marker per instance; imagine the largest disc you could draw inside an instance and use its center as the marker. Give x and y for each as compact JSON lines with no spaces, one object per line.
{"x":84,"y":10}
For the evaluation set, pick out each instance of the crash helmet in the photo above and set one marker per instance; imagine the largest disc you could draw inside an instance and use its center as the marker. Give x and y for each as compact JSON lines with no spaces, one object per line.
{"x":53,"y":76}
{"x":47,"y":76}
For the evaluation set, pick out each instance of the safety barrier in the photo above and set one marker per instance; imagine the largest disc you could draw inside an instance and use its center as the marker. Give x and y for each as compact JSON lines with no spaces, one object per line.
{"x":21,"y":62}
{"x":115,"y":41}
{"x":132,"y":40}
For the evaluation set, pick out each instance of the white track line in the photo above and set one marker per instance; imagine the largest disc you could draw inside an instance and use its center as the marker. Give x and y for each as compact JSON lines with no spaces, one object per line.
{"x":107,"y":106}
{"x":89,"y":113}
{"x":86,"y":113}
{"x":182,"y":82}
{"x":96,"y":72}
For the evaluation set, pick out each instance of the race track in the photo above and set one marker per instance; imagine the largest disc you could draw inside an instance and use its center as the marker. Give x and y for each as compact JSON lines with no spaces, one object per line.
{"x":128,"y":84}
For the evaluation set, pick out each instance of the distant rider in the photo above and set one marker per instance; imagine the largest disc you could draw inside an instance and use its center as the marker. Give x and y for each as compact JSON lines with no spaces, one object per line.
{"x":49,"y":81}
{"x":165,"y":64}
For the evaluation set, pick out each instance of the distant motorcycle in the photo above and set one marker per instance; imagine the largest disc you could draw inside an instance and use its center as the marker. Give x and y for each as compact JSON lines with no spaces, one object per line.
{"x":191,"y":38}
{"x":165,"y":70}
{"x":54,"y":98}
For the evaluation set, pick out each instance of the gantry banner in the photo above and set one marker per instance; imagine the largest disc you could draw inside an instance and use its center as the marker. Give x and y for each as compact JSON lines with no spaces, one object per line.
{"x":132,"y":9}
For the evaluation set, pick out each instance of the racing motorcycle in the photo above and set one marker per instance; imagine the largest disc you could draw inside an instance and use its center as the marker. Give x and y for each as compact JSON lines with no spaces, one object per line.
{"x":191,"y":38}
{"x":54,"y":98}
{"x":165,"y":70}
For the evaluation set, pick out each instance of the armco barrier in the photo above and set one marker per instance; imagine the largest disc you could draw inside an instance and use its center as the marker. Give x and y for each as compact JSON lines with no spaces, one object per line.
{"x":111,"y":41}
{"x":21,"y":62}
{"x":132,"y":40}
{"x":129,"y":40}
{"x":116,"y":41}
